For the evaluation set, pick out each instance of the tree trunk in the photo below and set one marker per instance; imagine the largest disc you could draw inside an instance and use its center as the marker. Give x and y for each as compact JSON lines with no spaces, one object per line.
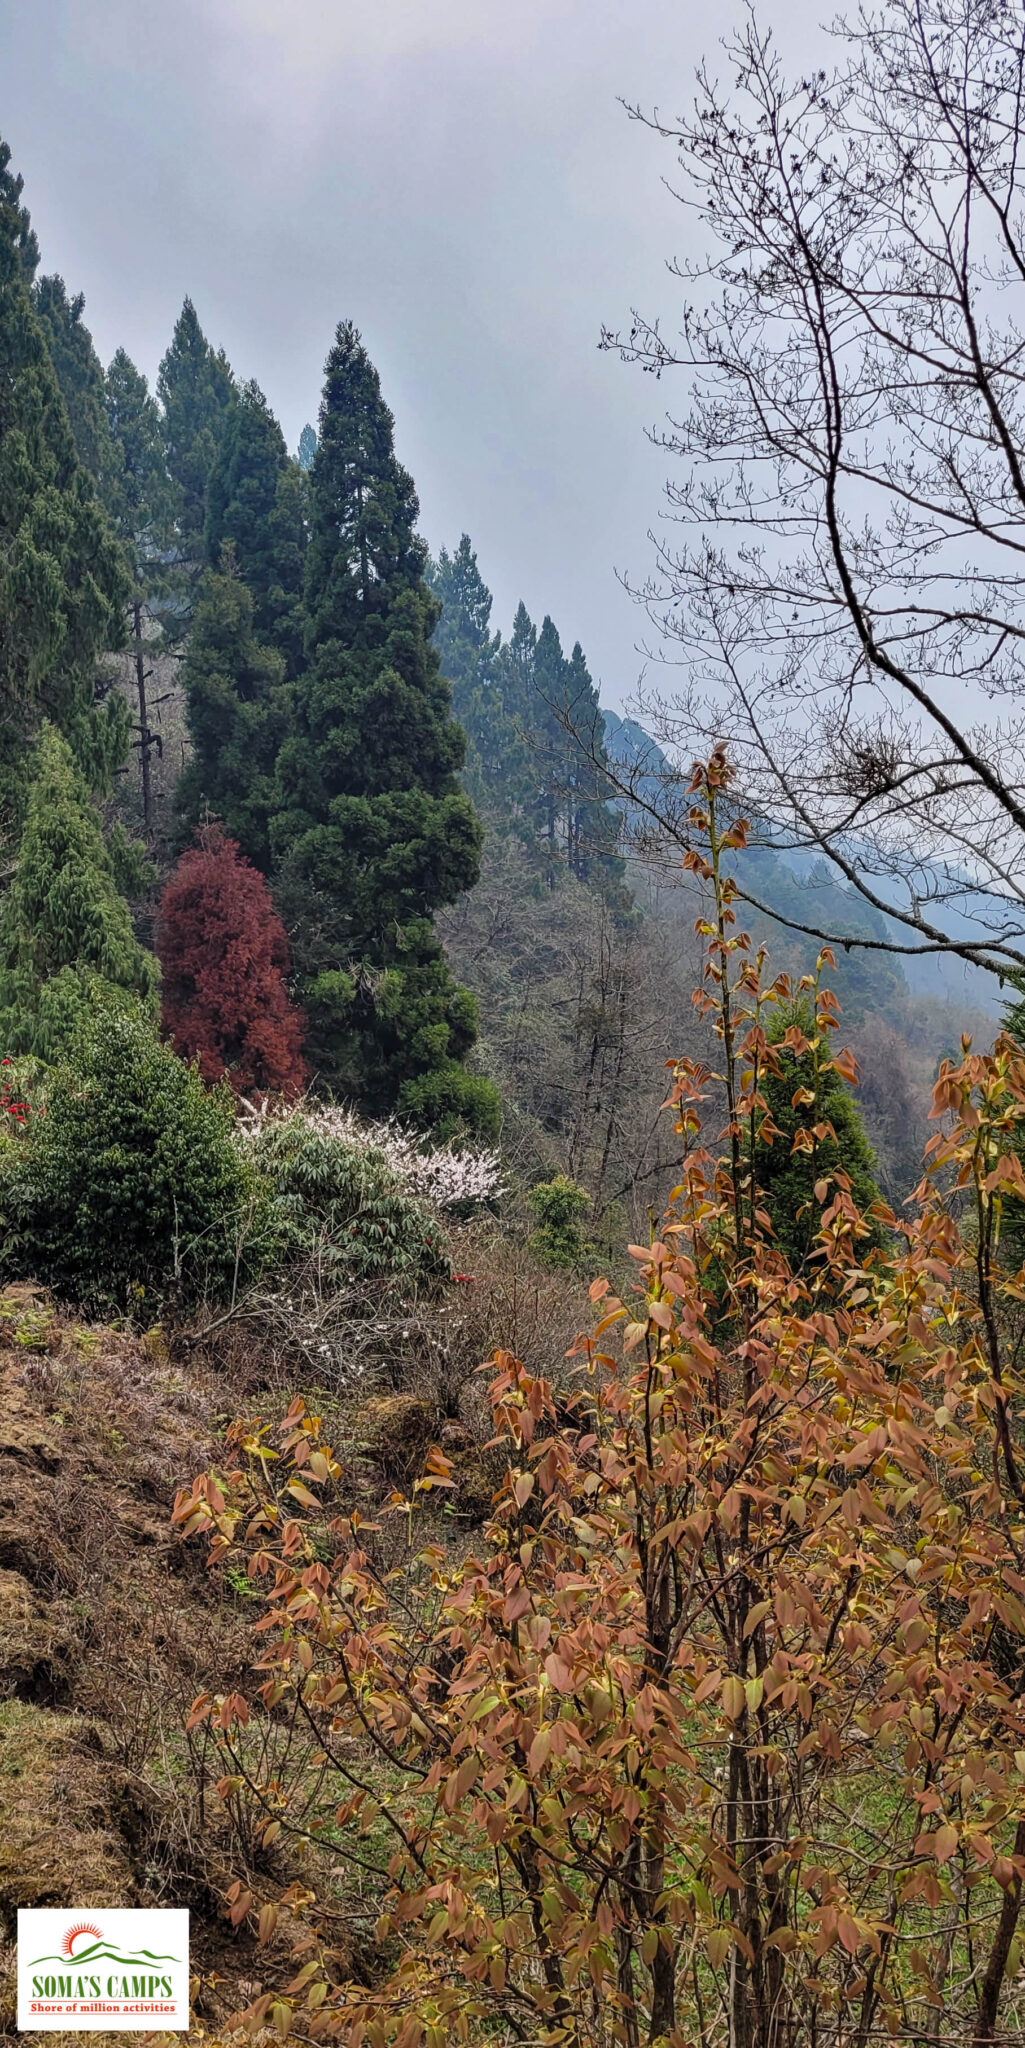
{"x":144,"y":731}
{"x":996,"y":1969}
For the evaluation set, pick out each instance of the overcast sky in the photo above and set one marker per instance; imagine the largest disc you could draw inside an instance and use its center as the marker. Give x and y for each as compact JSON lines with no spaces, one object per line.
{"x":455,"y":175}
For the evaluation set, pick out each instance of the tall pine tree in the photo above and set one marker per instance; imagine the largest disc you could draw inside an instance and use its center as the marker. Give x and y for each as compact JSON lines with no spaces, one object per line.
{"x":64,"y":928}
{"x":238,"y":705}
{"x":373,"y":834}
{"x":80,"y":376}
{"x":254,"y":504}
{"x":144,"y":504}
{"x":196,"y":389}
{"x":62,"y":578}
{"x":474,"y":660}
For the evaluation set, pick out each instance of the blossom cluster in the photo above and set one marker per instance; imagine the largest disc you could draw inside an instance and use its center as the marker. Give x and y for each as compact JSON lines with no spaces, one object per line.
{"x":446,"y":1178}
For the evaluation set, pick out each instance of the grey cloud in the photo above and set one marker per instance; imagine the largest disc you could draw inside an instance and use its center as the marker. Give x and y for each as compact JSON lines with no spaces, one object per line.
{"x":454,"y":174}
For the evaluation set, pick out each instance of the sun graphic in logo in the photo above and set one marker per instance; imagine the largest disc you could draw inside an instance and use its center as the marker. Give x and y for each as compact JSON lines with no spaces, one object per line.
{"x":80,"y":1927}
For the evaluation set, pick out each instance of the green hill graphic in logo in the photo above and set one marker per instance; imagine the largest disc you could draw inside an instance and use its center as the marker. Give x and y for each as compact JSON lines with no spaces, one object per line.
{"x":76,"y":1948}
{"x":103,"y":1952}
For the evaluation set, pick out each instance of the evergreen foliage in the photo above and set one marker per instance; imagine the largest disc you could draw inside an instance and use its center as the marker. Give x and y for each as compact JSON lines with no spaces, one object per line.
{"x":568,"y":738}
{"x":373,"y":834}
{"x":144,"y":502}
{"x":65,"y":932}
{"x":62,"y":578}
{"x":80,"y":376}
{"x":559,"y":1206}
{"x":196,"y":390}
{"x":254,"y":505}
{"x":239,"y":710}
{"x":307,"y":448}
{"x":535,"y":731}
{"x":224,"y":961}
{"x":132,"y":1186}
{"x":483,"y":679}
{"x":341,"y":1205}
{"x":787,"y":1178}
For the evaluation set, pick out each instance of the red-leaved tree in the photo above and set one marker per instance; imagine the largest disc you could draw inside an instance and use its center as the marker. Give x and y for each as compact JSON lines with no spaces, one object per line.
{"x":224,"y":957}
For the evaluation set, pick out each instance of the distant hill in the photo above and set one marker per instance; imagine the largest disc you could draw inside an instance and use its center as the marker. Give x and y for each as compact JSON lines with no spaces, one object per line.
{"x":802,"y":885}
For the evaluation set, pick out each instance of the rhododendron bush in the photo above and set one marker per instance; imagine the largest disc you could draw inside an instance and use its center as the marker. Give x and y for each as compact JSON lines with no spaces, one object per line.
{"x":448,"y":1177}
{"x":716,"y":1734}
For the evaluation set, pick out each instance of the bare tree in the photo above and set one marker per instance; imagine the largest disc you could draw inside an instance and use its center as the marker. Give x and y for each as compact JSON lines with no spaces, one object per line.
{"x":846,"y":603}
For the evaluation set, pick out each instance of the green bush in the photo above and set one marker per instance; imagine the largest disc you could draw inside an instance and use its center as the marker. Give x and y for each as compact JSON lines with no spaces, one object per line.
{"x":453,"y":1105}
{"x":342,"y":1204}
{"x":132,"y":1183}
{"x":558,"y":1206}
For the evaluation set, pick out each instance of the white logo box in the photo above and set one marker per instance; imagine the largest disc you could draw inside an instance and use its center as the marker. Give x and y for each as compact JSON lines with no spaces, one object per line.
{"x":117,"y":1970}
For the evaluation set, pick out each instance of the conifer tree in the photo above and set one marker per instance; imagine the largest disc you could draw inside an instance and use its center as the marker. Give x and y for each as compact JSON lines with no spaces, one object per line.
{"x":80,"y":376}
{"x":143,"y":505}
{"x":224,"y":959}
{"x":373,"y":834}
{"x":238,"y":704}
{"x":549,"y":736}
{"x":473,"y":660}
{"x":307,"y":448}
{"x":62,"y":578}
{"x":196,"y":389}
{"x":64,"y":928}
{"x":787,"y":1178}
{"x":592,"y":823}
{"x":255,"y":506}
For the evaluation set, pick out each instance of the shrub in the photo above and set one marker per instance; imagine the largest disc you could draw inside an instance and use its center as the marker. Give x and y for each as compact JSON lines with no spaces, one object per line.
{"x":64,"y":927}
{"x":453,"y":1104}
{"x":342,"y":1204}
{"x":132,"y":1182}
{"x":717,"y":1733}
{"x":558,"y":1206}
{"x":452,"y":1178}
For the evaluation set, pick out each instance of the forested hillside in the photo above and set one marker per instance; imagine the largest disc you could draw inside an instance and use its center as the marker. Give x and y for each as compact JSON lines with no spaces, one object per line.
{"x":510,"y":1258}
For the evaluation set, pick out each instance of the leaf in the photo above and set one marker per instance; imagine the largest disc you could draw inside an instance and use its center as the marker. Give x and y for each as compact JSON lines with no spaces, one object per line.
{"x":756,"y":1614}
{"x":847,"y":1929}
{"x":537,"y":1755}
{"x":517,"y":1603}
{"x":944,"y":1843}
{"x":558,"y":1673}
{"x":733,"y":1696}
{"x":302,"y":1493}
{"x":717,"y":1946}
{"x":268,"y":1920}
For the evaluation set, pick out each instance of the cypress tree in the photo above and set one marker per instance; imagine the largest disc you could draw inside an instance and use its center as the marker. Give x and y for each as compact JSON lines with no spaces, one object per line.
{"x":62,"y":578}
{"x":63,"y":925}
{"x":239,"y":709}
{"x":473,"y":659}
{"x":549,"y":737}
{"x":196,"y":389}
{"x":786,"y":1178}
{"x":143,"y":504}
{"x":592,"y":823}
{"x":254,"y":504}
{"x":373,"y":834}
{"x":80,"y":376}
{"x":307,"y":448}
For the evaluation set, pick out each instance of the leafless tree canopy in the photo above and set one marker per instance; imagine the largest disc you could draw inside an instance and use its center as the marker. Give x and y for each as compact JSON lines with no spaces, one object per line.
{"x":846,"y":600}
